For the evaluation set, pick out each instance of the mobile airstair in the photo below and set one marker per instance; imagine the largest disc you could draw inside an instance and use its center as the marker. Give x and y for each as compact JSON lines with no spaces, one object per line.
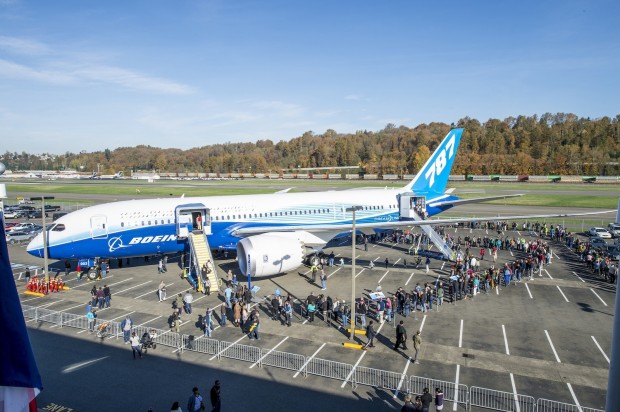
{"x":193,"y":223}
{"x":413,"y":207}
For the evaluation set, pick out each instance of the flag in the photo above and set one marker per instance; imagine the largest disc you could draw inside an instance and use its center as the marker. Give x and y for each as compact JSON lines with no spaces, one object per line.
{"x":20,"y":381}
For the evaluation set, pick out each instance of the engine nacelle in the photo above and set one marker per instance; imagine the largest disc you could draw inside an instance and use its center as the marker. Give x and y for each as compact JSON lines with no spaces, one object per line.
{"x":270,"y":254}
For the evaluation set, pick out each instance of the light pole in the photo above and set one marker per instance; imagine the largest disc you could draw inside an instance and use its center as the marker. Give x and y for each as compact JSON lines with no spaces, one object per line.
{"x":45,"y":268}
{"x":353,"y":236}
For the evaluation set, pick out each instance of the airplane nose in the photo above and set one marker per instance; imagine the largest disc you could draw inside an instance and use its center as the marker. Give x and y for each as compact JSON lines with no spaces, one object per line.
{"x":35,"y":247}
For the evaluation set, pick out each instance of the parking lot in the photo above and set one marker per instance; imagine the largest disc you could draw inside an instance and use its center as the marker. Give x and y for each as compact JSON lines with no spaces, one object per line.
{"x":549,"y":337}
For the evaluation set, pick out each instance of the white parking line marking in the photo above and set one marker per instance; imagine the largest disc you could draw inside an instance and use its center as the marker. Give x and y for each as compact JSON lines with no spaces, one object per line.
{"x":556,"y":256}
{"x":505,"y":339}
{"x":353,"y":369}
{"x":557,"y":358}
{"x":456,"y":393}
{"x":271,"y":350}
{"x":402,"y":379}
{"x":309,"y":359}
{"x":565,"y":298}
{"x":599,"y":298}
{"x":461,"y":335}
{"x":330,"y":275}
{"x":601,"y":349}
{"x":547,"y":272}
{"x":133,"y":287}
{"x":422,"y":324}
{"x":528,"y":291}
{"x":579,"y":277}
{"x":570,"y":388}
{"x":410,"y":276}
{"x":396,"y":262}
{"x":360,"y":272}
{"x":359,"y":360}
{"x":152,"y":291}
{"x":386,"y":272}
{"x":231,"y":345}
{"x":514,"y":391}
{"x":50,"y":304}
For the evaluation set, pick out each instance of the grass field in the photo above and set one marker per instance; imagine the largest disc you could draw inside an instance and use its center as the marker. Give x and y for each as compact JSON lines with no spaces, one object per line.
{"x":544,"y":194}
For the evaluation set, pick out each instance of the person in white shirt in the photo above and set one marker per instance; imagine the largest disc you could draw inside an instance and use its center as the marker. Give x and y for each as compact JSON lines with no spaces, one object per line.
{"x":187,"y":302}
{"x":135,"y":345}
{"x":162,"y":291}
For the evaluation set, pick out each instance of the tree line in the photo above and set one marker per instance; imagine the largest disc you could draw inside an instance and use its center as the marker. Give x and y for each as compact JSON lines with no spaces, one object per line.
{"x":560,"y":143}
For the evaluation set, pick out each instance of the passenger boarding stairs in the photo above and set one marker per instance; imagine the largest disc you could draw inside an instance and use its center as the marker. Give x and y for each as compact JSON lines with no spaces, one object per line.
{"x":410,"y":207}
{"x":202,"y":256}
{"x":435,"y":238}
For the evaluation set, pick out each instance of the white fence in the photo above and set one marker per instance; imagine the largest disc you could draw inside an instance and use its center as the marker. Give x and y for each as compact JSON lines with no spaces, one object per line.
{"x":460,"y":394}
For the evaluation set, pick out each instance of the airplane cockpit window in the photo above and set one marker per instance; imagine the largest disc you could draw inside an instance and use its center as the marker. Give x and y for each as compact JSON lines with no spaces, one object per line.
{"x":122,"y":224}
{"x":58,"y":228}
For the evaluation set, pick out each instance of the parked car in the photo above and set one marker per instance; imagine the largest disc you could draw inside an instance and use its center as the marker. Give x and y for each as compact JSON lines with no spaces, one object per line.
{"x":12,"y":214}
{"x":24,"y":226}
{"x":598,"y":242}
{"x":599,"y":232}
{"x":14,"y":237}
{"x":613,"y":251}
{"x":35,"y":214}
{"x":9,"y":225}
{"x":614,"y":229}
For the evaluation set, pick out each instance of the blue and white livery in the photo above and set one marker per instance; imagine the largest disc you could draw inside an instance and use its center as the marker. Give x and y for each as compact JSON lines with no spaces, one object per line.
{"x":275,"y":229}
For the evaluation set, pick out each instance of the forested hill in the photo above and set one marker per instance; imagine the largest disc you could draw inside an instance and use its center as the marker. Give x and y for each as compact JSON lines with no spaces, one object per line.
{"x":549,"y":144}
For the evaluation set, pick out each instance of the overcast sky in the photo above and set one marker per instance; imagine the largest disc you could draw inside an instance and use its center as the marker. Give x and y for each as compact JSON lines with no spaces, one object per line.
{"x":90,"y":75}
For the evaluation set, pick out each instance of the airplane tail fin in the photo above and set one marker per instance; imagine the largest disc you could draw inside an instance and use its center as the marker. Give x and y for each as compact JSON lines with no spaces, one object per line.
{"x":433,"y":176}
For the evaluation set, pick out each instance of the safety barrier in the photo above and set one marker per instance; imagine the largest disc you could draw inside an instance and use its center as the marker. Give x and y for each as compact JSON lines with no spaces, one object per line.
{"x":451,"y":391}
{"x":329,"y":369}
{"x":546,"y":405}
{"x":500,"y":401}
{"x":245,"y":353}
{"x":379,"y":378}
{"x":283,"y":360}
{"x":474,"y":396}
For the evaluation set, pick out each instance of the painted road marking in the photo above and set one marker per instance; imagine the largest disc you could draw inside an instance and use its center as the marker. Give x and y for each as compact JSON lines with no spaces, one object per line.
{"x":410,"y":276}
{"x":456,"y":383}
{"x":565,"y":298}
{"x":579,"y":277}
{"x":271,"y":350}
{"x":402,"y":379}
{"x":461,"y":335}
{"x":309,"y":359}
{"x":514,"y":391}
{"x":152,"y":291}
{"x":133,"y":287}
{"x":599,"y":298}
{"x":528,"y":291}
{"x":387,"y":271}
{"x":330,"y":275}
{"x":570,"y":388}
{"x":601,"y":349}
{"x":359,"y":360}
{"x":552,"y":347}
{"x":505,"y":339}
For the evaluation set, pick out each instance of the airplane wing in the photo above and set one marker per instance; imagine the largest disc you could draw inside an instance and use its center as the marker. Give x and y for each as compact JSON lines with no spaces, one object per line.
{"x":343,"y":227}
{"x":456,"y":202}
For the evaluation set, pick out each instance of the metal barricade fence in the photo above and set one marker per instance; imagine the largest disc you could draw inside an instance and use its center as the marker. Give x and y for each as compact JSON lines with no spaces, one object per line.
{"x":379,"y":378}
{"x":283,"y":360}
{"x":74,"y":321}
{"x":49,"y":316}
{"x":546,"y":405}
{"x":204,"y":345}
{"x":328,"y":369}
{"x":245,"y":353}
{"x":475,"y":396}
{"x":168,"y":338}
{"x":29,"y":312}
{"x":500,"y":401}
{"x":451,"y":392}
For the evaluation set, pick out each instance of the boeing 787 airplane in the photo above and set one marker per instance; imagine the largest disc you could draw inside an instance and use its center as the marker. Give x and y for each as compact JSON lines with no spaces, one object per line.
{"x":272,"y":233}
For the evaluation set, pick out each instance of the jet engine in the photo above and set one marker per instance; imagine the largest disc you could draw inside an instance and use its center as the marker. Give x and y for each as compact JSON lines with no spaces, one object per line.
{"x":270,"y":254}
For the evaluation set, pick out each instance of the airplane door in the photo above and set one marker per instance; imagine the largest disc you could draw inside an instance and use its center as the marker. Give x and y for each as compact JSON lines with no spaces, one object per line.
{"x":99,"y":227}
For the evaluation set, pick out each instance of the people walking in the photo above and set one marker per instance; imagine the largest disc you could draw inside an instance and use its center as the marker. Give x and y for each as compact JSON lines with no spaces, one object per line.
{"x":188,"y":299}
{"x":161,"y":291}
{"x":417,"y":345}
{"x":195,"y":402}
{"x":216,"y":397}
{"x":107,"y":295}
{"x":323,"y":280}
{"x":370,"y":334}
{"x":401,"y":336}
{"x":126,"y":325}
{"x":135,"y":345}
